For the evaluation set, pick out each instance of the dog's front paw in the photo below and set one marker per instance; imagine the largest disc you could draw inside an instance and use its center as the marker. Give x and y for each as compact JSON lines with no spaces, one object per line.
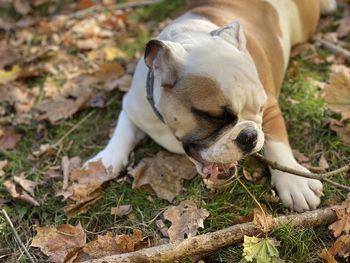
{"x":109,"y":160}
{"x":297,"y":193}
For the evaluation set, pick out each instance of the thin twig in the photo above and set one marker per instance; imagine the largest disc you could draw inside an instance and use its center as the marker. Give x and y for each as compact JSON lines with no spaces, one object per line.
{"x":332,"y":47}
{"x":18,"y":239}
{"x":324,"y":177}
{"x":99,"y":8}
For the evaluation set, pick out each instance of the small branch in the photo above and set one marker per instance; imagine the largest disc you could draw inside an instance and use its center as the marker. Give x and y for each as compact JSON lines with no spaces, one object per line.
{"x":18,"y":239}
{"x":99,"y":8}
{"x":332,"y":47}
{"x":209,"y":242}
{"x":324,"y":177}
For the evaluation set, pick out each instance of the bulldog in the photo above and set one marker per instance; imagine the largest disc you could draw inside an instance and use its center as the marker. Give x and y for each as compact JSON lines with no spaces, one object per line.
{"x":208,"y":87}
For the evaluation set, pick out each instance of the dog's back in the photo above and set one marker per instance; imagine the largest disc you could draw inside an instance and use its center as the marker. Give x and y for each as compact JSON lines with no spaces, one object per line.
{"x":271,"y":28}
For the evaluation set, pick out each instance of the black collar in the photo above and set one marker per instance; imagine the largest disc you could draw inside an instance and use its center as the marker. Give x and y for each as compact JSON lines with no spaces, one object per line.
{"x":149,"y":90}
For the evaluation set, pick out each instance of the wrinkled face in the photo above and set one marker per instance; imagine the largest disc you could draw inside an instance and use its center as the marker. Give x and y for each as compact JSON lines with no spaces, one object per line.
{"x":210,"y":96}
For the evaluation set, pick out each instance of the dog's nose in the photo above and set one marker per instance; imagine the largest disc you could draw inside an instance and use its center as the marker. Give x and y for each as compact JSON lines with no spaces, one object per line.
{"x":247,"y":139}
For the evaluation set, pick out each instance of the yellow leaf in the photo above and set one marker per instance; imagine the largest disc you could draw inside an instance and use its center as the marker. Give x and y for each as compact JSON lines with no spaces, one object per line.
{"x":7,"y":76}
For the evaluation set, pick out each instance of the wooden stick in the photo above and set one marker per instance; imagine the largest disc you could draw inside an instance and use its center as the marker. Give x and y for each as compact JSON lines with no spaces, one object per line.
{"x":18,"y":239}
{"x":324,"y":177}
{"x":332,"y":47}
{"x":209,"y":242}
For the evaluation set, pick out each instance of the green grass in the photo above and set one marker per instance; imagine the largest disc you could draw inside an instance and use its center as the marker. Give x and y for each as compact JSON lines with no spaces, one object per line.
{"x":307,"y":127}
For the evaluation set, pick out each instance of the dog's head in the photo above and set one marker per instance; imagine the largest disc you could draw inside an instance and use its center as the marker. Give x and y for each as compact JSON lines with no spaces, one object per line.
{"x":210,"y":96}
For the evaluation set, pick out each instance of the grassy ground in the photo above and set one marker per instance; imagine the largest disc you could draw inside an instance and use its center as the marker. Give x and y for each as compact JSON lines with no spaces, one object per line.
{"x":307,"y":127}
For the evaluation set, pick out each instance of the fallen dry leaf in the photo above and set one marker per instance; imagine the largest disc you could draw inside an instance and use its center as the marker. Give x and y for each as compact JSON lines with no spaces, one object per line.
{"x":343,"y":222}
{"x":122,"y":84}
{"x":301,"y":158}
{"x":344,"y":28}
{"x":22,"y":6}
{"x":341,"y":230}
{"x":341,"y":246}
{"x":26,"y":184}
{"x":122,"y":210}
{"x":253,"y":170}
{"x":60,"y":108}
{"x":342,"y":130}
{"x":24,"y":196}
{"x":263,"y":219}
{"x":327,"y":256}
{"x":9,"y":138}
{"x":68,"y":165}
{"x":185,"y":220}
{"x":84,"y":187}
{"x":323,"y":164}
{"x":337,"y":92}
{"x":302,"y":49}
{"x":164,"y":173}
{"x":3,"y":164}
{"x":109,"y":244}
{"x":61,"y":243}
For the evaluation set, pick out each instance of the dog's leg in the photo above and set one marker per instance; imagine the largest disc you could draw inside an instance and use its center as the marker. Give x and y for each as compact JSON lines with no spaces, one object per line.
{"x":123,"y":141}
{"x":297,"y":193}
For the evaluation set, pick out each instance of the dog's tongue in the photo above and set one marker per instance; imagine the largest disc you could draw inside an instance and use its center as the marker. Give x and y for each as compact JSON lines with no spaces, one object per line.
{"x":219,"y":171}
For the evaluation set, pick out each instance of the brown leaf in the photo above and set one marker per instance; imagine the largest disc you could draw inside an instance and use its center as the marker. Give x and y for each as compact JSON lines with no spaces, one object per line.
{"x":69,"y":165}
{"x":26,"y":184}
{"x":60,"y":108}
{"x":253,"y":170}
{"x":337,"y":93}
{"x":123,"y":84}
{"x":9,"y":138}
{"x":302,"y":49}
{"x":243,"y":219}
{"x":301,"y":158}
{"x":164,"y":173}
{"x":323,"y":164}
{"x":327,"y":256}
{"x":61,"y":243}
{"x":122,"y":210}
{"x":342,"y":130}
{"x":342,"y":225}
{"x":185,"y":220}
{"x":344,"y":28}
{"x":8,"y":56}
{"x":22,"y":6}
{"x":341,"y":246}
{"x":103,"y":246}
{"x":263,"y":219}
{"x":85,"y":187}
{"x":108,"y":245}
{"x":11,"y":188}
{"x":3,"y":164}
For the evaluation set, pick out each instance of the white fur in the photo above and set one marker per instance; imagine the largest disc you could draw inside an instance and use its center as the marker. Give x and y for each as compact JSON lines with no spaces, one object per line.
{"x":297,"y":193}
{"x":123,"y":141}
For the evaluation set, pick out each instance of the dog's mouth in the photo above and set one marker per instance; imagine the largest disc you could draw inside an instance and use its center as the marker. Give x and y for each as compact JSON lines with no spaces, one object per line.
{"x":213,"y":170}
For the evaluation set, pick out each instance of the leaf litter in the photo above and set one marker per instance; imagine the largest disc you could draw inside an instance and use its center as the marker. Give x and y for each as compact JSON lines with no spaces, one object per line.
{"x":164,"y":173}
{"x":185,"y":220}
{"x":84,"y":187}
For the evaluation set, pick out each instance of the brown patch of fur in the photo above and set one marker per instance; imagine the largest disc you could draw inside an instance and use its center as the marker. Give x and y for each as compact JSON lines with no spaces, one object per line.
{"x":309,"y":12}
{"x":192,"y":91}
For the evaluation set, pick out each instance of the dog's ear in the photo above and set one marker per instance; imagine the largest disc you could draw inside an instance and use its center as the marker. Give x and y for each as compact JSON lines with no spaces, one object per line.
{"x":163,"y":58}
{"x":233,"y":33}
